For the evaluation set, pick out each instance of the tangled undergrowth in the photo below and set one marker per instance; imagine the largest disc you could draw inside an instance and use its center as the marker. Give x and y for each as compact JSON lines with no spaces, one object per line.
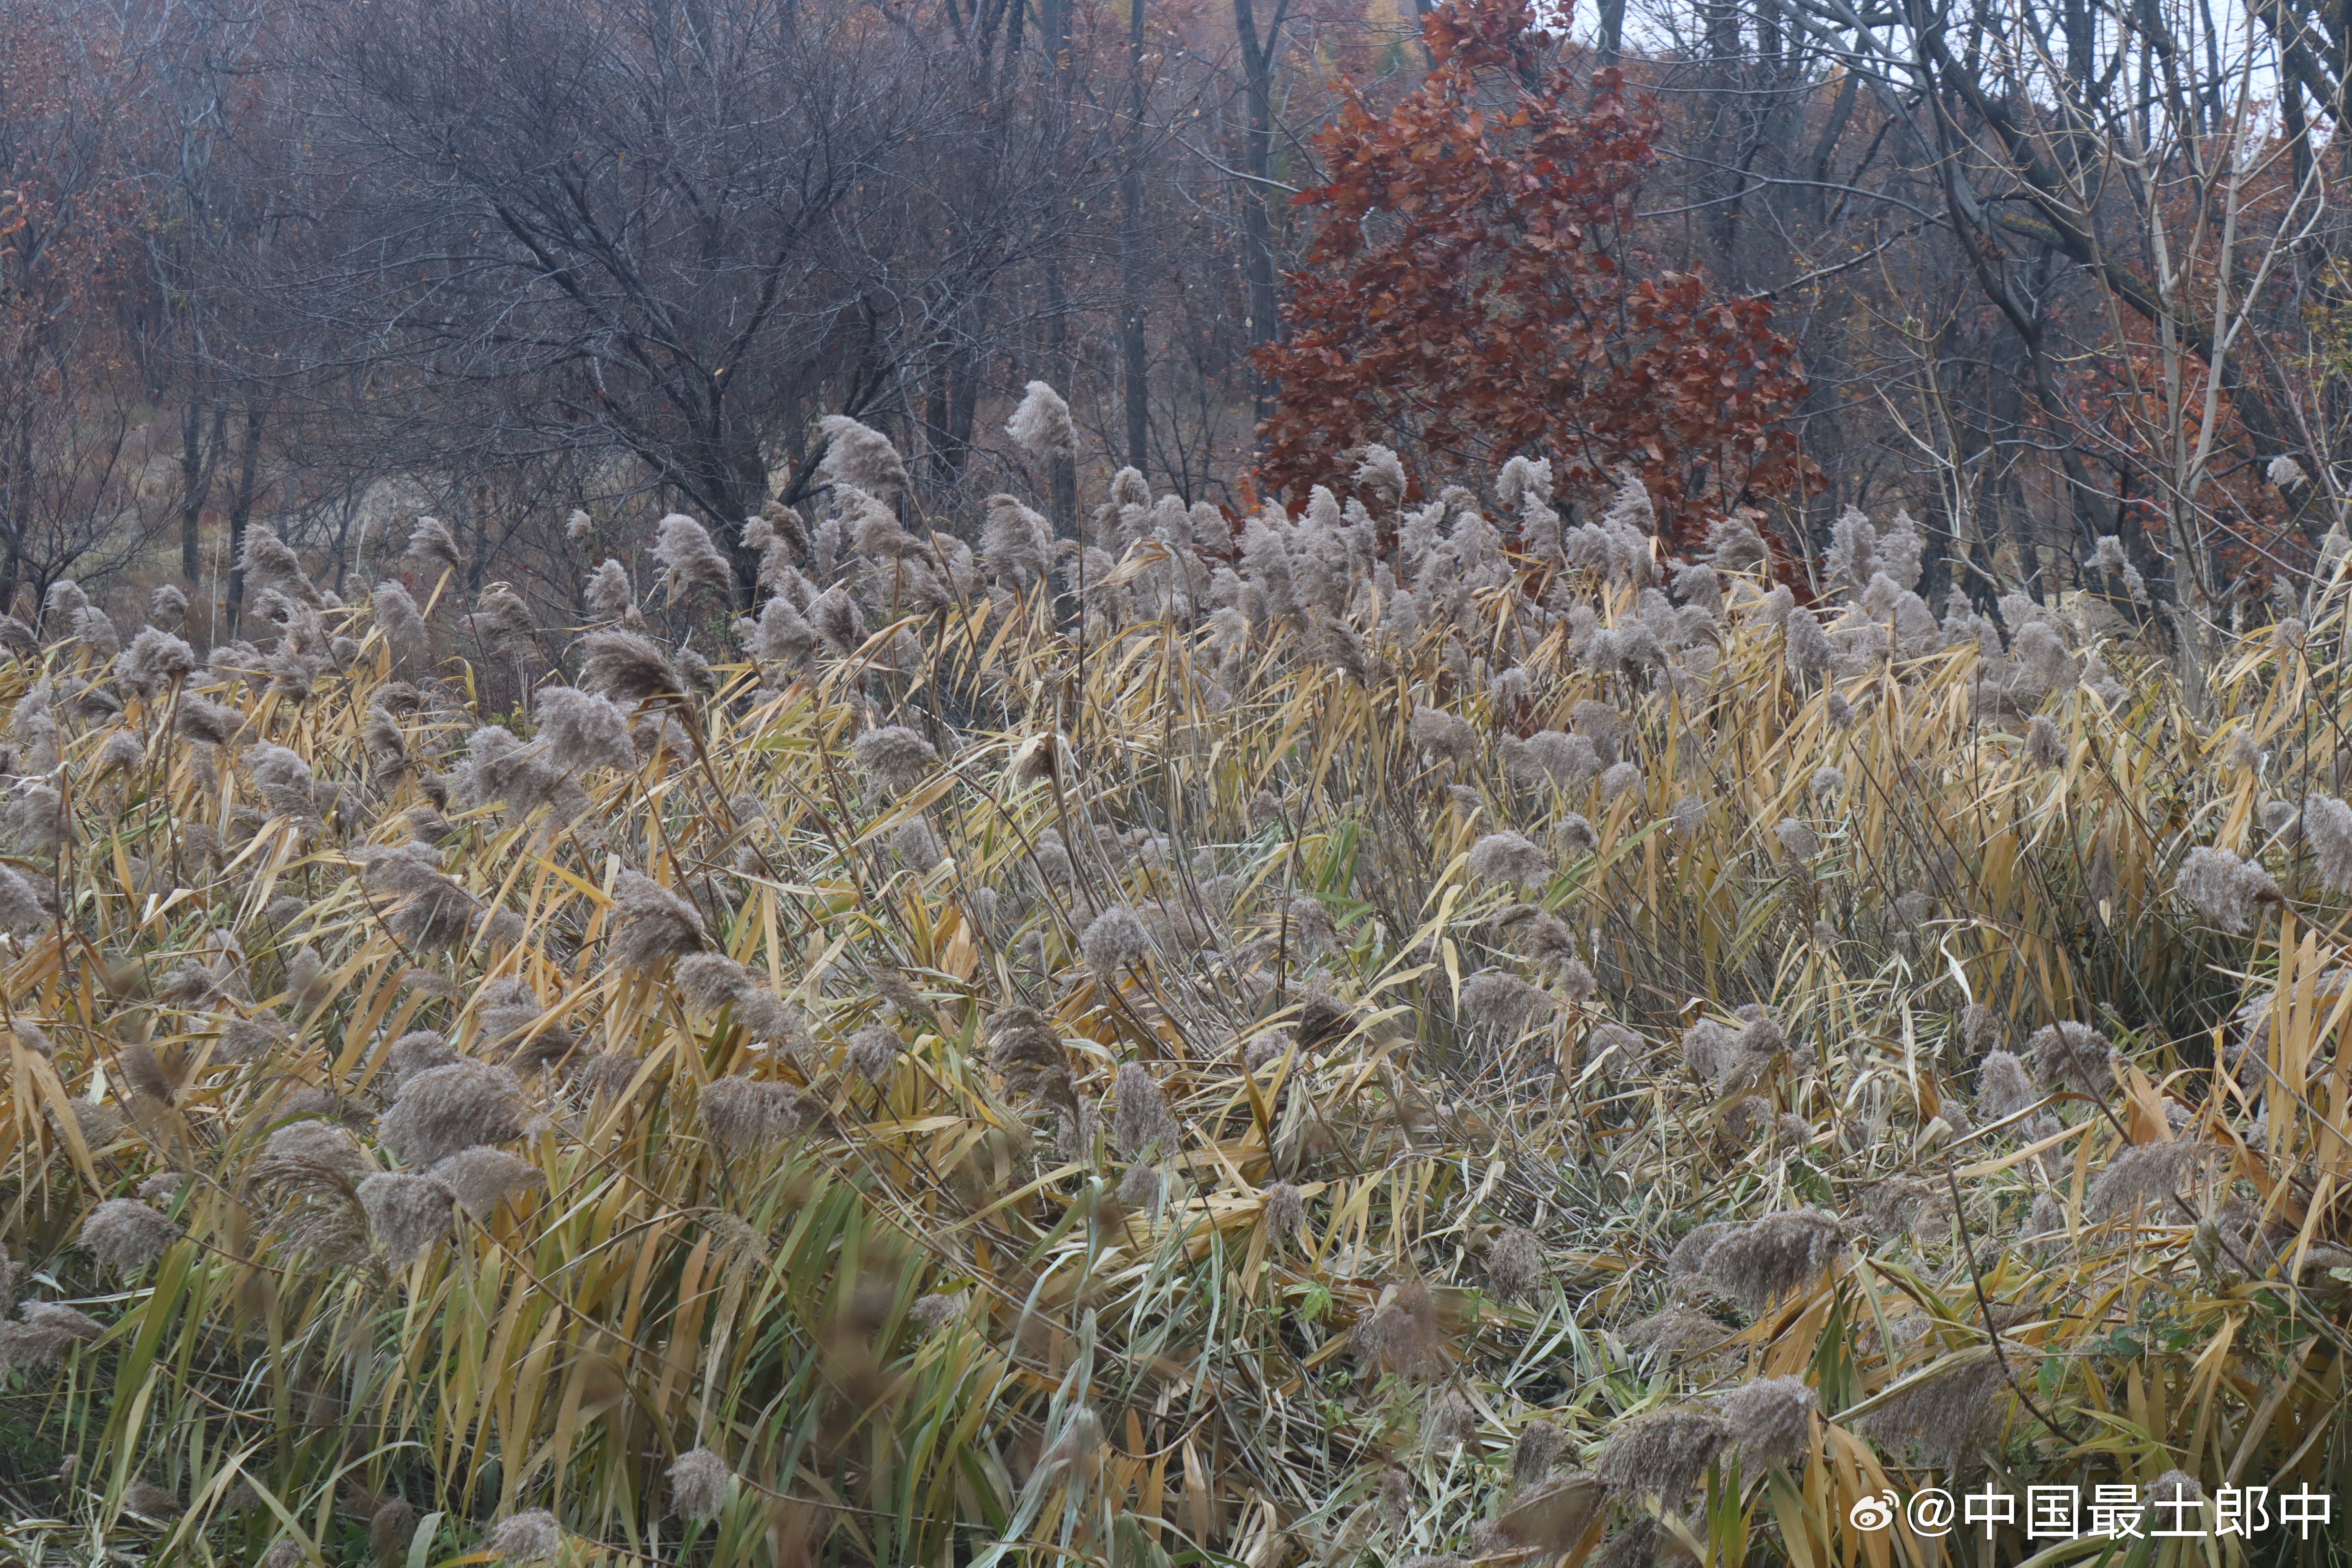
{"x":1391,"y":1035}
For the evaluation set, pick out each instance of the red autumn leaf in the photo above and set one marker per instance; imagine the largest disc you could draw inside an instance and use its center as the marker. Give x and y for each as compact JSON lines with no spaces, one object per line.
{"x":1514,"y":313}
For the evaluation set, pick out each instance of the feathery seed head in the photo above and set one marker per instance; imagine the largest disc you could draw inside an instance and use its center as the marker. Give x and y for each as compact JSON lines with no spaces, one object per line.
{"x":391,"y":1528}
{"x":408,"y":1214}
{"x":1382,"y":473}
{"x":690,"y":562}
{"x":1403,"y":1336}
{"x":1026,"y":1048}
{"x":783,"y":636}
{"x":1690,"y":1254}
{"x":1758,"y":1038}
{"x":1770,"y":1421}
{"x":1443,"y":733}
{"x":653,"y":923}
{"x":2328,"y":833}
{"x":155,"y":661}
{"x":874,"y":1051}
{"x":503,"y":621}
{"x":125,"y":1235}
{"x":609,"y":593}
{"x":1515,"y":1263}
{"x":860,"y":456}
{"x":709,"y":981}
{"x":1539,"y":1447}
{"x":2045,"y":748}
{"x":1017,"y":545}
{"x":2142,"y":1176}
{"x":1782,"y":1252}
{"x":1499,"y":1000}
{"x":56,"y":1318}
{"x":1798,"y":841}
{"x":1041,"y":426}
{"x":1701,"y":584}
{"x":1708,"y":1049}
{"x":1804,"y":645}
{"x":1142,"y":1188}
{"x":2224,"y":888}
{"x":917,"y":845}
{"x":931,"y":1311}
{"x":1284,"y":1213}
{"x":628,"y":667}
{"x":479,"y":1178}
{"x":271,"y":566}
{"x":2002,"y":1088}
{"x":2073,"y":1056}
{"x":834,"y":617}
{"x":405,"y":635}
{"x":414,"y":1052}
{"x":39,"y":817}
{"x":444,"y":1109}
{"x":122,"y":750}
{"x":1947,"y":1413}
{"x":1613,"y":1049}
{"x":433,"y":547}
{"x":1574,"y":831}
{"x":896,"y":756}
{"x":1663,"y":1451}
{"x":527,"y":1537}
{"x":317,"y":1149}
{"x":583,"y":731}
{"x":1141,"y":1120}
{"x":28,"y":1346}
{"x":698,"y":1485}
{"x":741,"y":1114}
{"x":1114,"y":938}
{"x":1508,"y":857}
{"x":148,"y":1500}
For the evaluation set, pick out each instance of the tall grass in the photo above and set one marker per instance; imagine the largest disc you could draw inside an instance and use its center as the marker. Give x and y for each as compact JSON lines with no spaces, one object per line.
{"x":1338,"y":1207}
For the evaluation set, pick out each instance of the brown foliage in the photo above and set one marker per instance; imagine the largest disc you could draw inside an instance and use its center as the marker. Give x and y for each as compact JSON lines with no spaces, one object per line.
{"x":1472,"y":290}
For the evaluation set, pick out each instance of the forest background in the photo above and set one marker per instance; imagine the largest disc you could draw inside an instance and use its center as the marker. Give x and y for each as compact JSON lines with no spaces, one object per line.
{"x":2039,"y":275}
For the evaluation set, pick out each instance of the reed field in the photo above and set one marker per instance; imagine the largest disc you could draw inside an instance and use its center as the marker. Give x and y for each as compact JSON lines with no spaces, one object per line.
{"x":1410,"y":1032}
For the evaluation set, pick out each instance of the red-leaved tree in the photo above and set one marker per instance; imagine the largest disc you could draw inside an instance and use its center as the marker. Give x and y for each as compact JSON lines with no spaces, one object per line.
{"x":1472,"y":289}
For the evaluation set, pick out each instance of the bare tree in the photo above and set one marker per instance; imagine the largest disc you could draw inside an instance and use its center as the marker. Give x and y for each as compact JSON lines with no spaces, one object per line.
{"x":675,"y":233}
{"x":71,"y":440}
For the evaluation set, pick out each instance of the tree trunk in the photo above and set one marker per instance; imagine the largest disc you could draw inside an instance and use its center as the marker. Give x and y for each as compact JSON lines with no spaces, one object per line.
{"x":240,"y":513}
{"x":1054,"y":16}
{"x":12,"y":525}
{"x":1612,"y":31}
{"x":1132,"y":347}
{"x":1257,"y":165}
{"x":196,"y":461}
{"x":2082,"y":28}
{"x":1062,"y":479}
{"x":937,"y":398}
{"x":963,"y":393}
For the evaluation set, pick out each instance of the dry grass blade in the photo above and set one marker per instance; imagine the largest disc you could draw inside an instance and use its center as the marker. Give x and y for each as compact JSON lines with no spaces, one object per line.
{"x":1202,"y":1074}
